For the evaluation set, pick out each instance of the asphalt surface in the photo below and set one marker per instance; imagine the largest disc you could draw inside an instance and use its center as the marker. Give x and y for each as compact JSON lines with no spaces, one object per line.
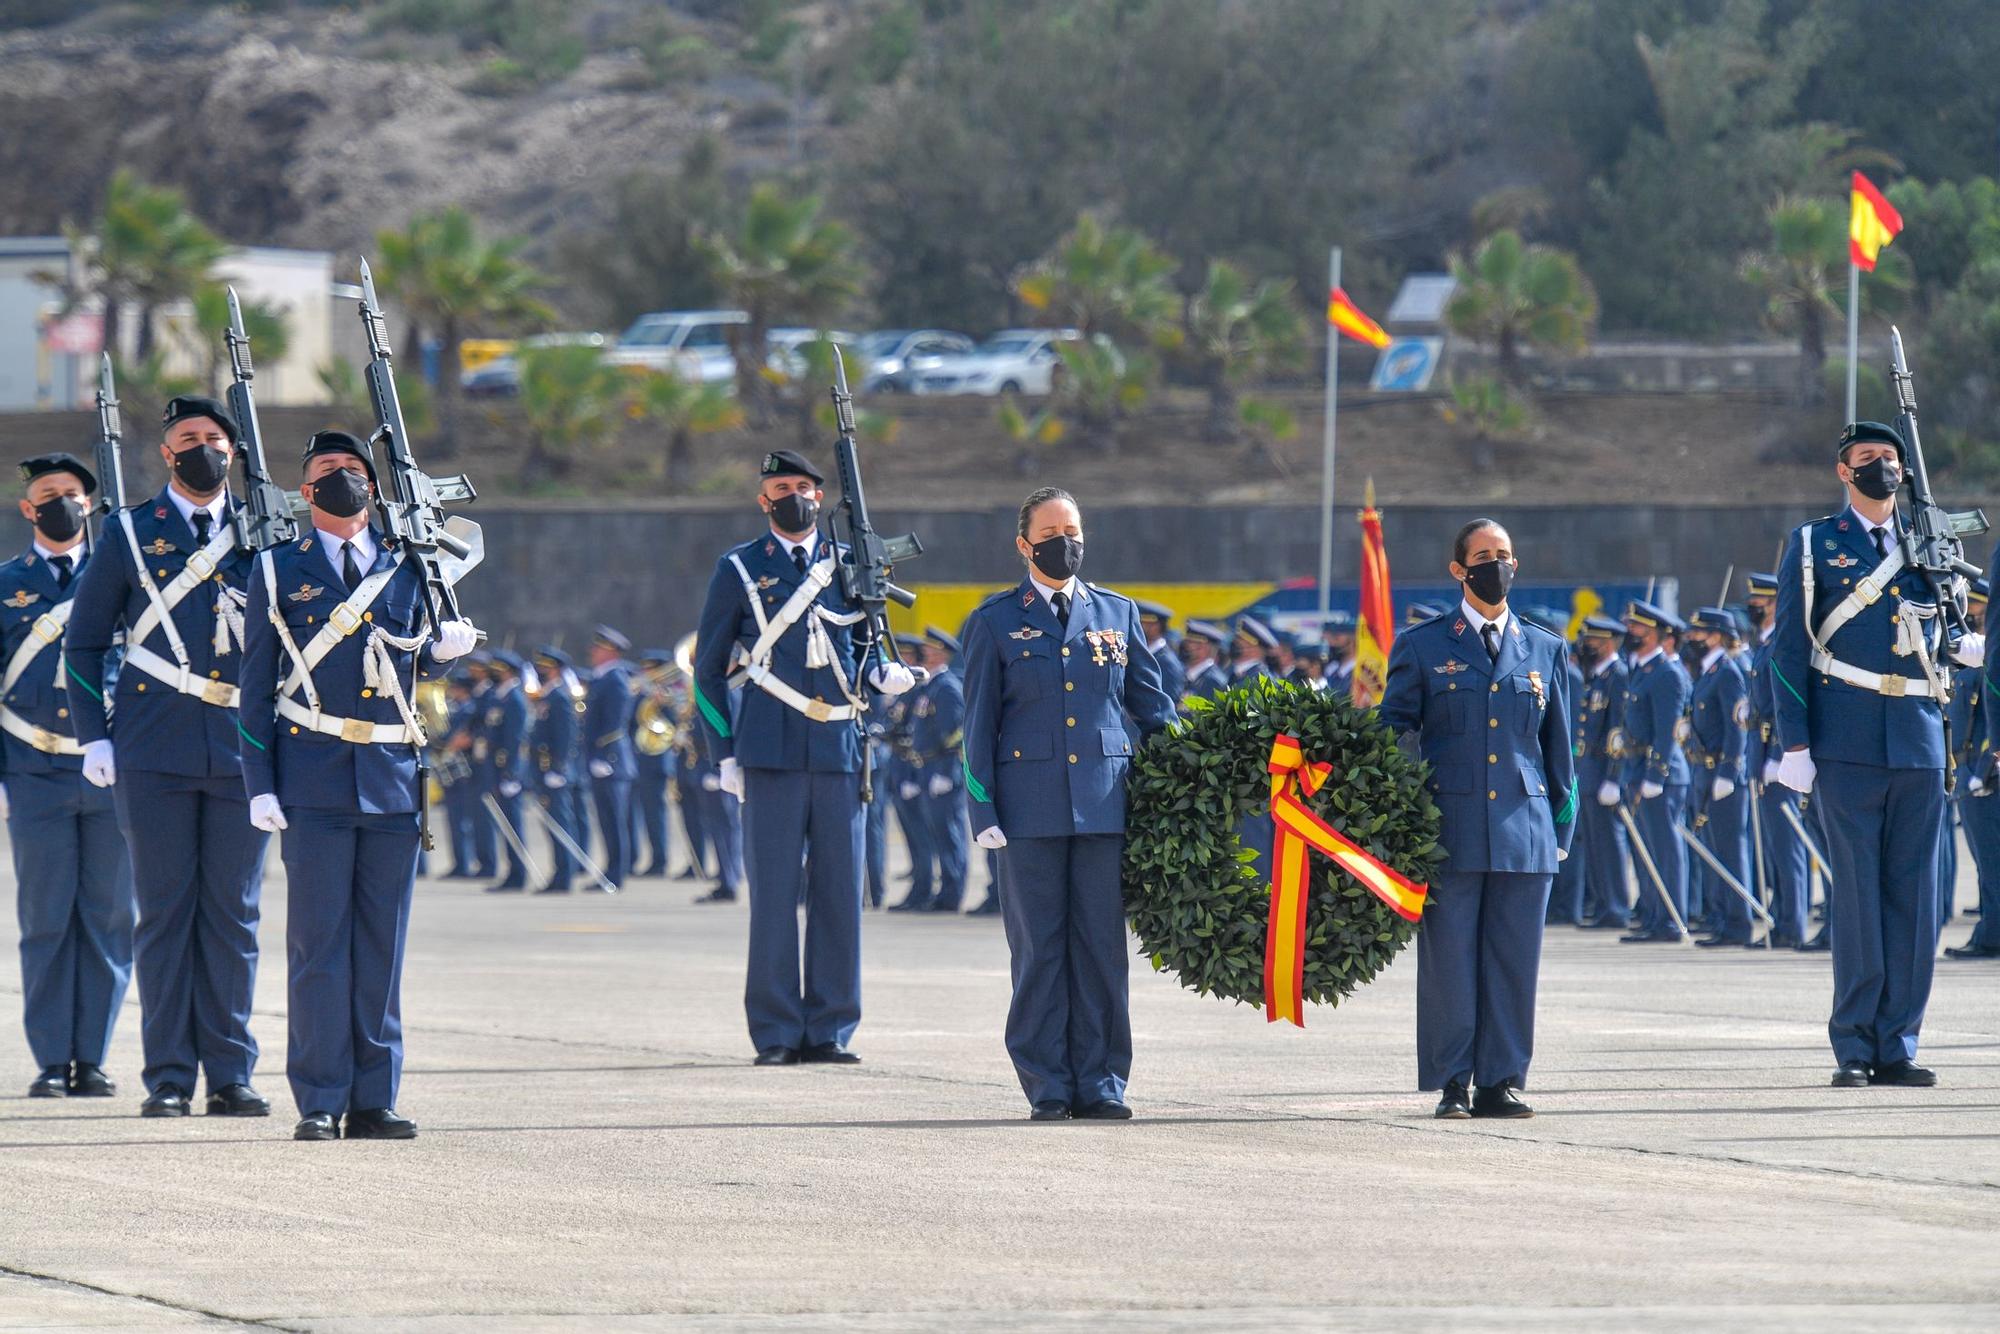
{"x":597,"y":1153}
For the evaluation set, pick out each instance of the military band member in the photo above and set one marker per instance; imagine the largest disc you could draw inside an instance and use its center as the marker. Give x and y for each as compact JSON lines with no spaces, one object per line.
{"x":1979,"y":807}
{"x":1485,"y":699}
{"x":1785,"y":869}
{"x":607,"y":748}
{"x":1719,"y":728}
{"x":1207,"y":676}
{"x":509,"y":716}
{"x":939,"y":741}
{"x":335,"y":637}
{"x":1566,"y":897}
{"x":1601,"y":759}
{"x":72,"y":876}
{"x":170,"y":577}
{"x":1859,"y":657}
{"x":903,"y":783}
{"x":654,"y":770}
{"x":485,"y":833}
{"x":453,"y":765}
{"x":1655,"y":778}
{"x":555,"y":749}
{"x":793,"y":756}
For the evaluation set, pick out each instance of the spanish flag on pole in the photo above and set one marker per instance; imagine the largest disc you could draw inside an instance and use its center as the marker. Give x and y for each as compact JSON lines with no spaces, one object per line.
{"x":1376,"y":628}
{"x":1344,"y":315}
{"x":1871,"y":224}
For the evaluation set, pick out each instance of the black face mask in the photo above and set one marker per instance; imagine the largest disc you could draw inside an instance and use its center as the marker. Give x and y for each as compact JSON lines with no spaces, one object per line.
{"x":1758,"y":615}
{"x":1878,"y":479}
{"x":202,"y":469}
{"x":1338,"y":652}
{"x":1059,"y":557}
{"x":1489,"y":580}
{"x":795,"y":513}
{"x":59,"y":518}
{"x":341,"y":493}
{"x":1632,"y":643}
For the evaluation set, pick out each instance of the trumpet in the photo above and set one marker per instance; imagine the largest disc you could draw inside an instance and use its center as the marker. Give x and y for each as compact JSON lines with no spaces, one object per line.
{"x":654,"y":731}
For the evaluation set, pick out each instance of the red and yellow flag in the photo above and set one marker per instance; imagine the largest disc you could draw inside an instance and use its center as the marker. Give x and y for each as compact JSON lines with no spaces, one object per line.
{"x":1300,"y":833}
{"x":1872,"y":223}
{"x":1344,"y":315}
{"x":1375,"y":630}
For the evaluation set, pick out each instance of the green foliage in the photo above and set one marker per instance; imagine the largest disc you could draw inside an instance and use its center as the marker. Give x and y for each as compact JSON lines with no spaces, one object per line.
{"x":1799,"y":276}
{"x":1099,"y":386}
{"x":1233,"y":330}
{"x":533,"y":40}
{"x":144,"y":250}
{"x":572,"y":401}
{"x":269,"y":332}
{"x":1511,"y":293}
{"x":1192,"y":895}
{"x":1033,"y":434}
{"x":348,"y":400}
{"x":684,"y":409}
{"x":1950,"y":225}
{"x":1109,"y":281}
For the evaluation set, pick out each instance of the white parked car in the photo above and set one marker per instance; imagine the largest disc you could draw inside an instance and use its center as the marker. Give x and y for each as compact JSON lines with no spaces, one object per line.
{"x":1013,"y":361}
{"x":693,"y":344}
{"x":897,"y":356}
{"x":782,"y":347}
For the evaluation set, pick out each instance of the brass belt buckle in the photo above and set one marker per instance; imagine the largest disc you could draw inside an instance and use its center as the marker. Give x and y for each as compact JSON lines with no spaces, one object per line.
{"x":202,"y":564}
{"x":819,"y":710}
{"x":47,"y":629}
{"x":217,"y":692}
{"x":345,"y":619}
{"x":46,"y":741}
{"x":358,"y":730}
{"x":1895,"y":686}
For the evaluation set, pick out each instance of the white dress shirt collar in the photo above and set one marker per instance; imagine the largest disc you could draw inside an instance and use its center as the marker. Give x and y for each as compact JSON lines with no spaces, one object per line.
{"x":75,"y":554}
{"x":1645,"y":658}
{"x":1478,"y":622}
{"x":1713,"y":656}
{"x":1072,"y":588}
{"x":792,"y":544}
{"x":364,"y":549}
{"x":215,"y":509}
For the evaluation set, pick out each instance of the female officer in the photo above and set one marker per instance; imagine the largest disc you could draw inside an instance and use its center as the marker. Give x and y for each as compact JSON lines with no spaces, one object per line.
{"x":1486,"y":699}
{"x":1051,"y":669}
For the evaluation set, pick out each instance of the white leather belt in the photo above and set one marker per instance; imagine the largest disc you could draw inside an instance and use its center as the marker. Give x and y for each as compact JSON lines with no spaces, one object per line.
{"x":1882,"y":683}
{"x":41,"y":738}
{"x":358,"y":731}
{"x":219,"y":693}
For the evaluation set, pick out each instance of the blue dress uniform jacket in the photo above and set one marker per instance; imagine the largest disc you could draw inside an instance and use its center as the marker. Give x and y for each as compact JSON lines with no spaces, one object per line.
{"x":555,"y":746}
{"x":608,"y":706}
{"x":938,"y":740}
{"x":1785,"y":864}
{"x":1206,"y":683}
{"x":1599,"y":827}
{"x":1656,"y":697}
{"x":1566,"y":901}
{"x":72,"y":876}
{"x":1719,"y":726}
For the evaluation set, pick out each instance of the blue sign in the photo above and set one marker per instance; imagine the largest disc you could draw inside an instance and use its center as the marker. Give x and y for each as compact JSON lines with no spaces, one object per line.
{"x":1407,"y":364}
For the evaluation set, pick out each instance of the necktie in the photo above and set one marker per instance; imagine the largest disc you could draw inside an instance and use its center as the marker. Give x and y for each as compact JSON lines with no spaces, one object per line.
{"x":350,"y":572}
{"x":1491,"y":634}
{"x":799,"y":560}
{"x":1061,"y":601}
{"x":1882,"y":543}
{"x":63,"y":572}
{"x":202,"y":519}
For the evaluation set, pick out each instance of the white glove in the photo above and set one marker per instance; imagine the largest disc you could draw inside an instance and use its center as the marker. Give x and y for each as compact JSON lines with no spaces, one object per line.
{"x":891,"y":679}
{"x":552,"y":779}
{"x":1723,"y":787}
{"x":990,"y":838}
{"x":4,"y":807}
{"x":266,"y":814}
{"x":730,"y":778}
{"x":1976,"y":787}
{"x":1649,"y":789}
{"x":710,"y":783}
{"x":98,"y":765}
{"x":600,"y":768}
{"x":908,"y":791}
{"x":509,"y":788}
{"x":940,"y":785}
{"x":1771,"y":768}
{"x":1971,"y":651}
{"x":1797,"y":770}
{"x":1562,"y":854}
{"x":1607,"y":793}
{"x":454,"y":639}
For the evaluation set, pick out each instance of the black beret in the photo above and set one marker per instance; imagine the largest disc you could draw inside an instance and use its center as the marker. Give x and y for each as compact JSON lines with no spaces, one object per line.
{"x":1862,"y":432}
{"x":785,"y":463}
{"x":339,"y":442}
{"x":184,"y":406}
{"x":42,"y":464}
{"x":604,"y":634}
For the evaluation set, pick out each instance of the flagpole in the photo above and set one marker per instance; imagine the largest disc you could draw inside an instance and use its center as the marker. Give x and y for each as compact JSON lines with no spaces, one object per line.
{"x":1853,"y":329}
{"x":1326,"y":463}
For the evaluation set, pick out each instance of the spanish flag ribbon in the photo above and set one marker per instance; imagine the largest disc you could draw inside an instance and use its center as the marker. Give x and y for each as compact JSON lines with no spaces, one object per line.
{"x":1872,"y":222}
{"x":1350,"y":319}
{"x":1300,"y":833}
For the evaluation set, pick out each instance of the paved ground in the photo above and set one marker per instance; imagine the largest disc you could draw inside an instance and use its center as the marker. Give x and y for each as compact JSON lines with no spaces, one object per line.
{"x":597,"y":1154}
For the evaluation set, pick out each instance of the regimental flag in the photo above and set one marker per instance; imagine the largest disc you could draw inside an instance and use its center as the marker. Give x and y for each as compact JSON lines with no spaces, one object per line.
{"x":1344,"y":315}
{"x":1376,"y":625}
{"x":1871,"y":223}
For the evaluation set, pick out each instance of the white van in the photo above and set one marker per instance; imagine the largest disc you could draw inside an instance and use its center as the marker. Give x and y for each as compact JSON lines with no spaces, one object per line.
{"x":693,"y":344}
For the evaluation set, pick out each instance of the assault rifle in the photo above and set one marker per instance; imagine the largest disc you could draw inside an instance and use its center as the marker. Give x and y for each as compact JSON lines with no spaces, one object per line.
{"x":109,"y":451}
{"x":1933,"y":544}
{"x":869,"y":562}
{"x":264,"y":519}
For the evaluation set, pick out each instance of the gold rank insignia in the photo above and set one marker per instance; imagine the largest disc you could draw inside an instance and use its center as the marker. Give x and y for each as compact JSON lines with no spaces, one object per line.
{"x":159,"y":547}
{"x":22,"y":597}
{"x":307,"y":592}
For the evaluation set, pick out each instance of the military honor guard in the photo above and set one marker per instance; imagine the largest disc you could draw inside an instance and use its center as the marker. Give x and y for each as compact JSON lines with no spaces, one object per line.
{"x":792,"y":753}
{"x":336,"y":637}
{"x":1653,"y":786}
{"x":1719,"y":730}
{"x":1484,"y":698}
{"x":607,"y":747}
{"x":73,"y":879}
{"x":1979,"y":807}
{"x":1156,"y":620}
{"x":554,"y":747}
{"x":452,"y":762}
{"x":1052,"y":668}
{"x":171,"y":579}
{"x":1860,"y":661}
{"x":1782,"y":857}
{"x":938,"y":740}
{"x":1600,"y":759}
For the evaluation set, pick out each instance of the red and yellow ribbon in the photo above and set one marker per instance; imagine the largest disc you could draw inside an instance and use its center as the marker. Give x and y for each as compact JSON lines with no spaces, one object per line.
{"x":1299,"y":834}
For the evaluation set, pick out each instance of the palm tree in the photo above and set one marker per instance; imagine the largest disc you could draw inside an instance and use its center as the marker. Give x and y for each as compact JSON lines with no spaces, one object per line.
{"x":685,"y":409}
{"x":1101,"y":384}
{"x":1799,"y":276}
{"x":1104,"y":280}
{"x":145,"y":249}
{"x":445,"y":276}
{"x":1512,"y":293}
{"x":1030,"y":433}
{"x":571,"y":399}
{"x":1233,"y":331}
{"x":269,"y":332}
{"x":782,"y":260}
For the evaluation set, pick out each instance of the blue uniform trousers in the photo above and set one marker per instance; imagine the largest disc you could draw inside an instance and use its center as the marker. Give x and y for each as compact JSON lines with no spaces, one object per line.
{"x":1947,"y":881}
{"x":923,"y":856}
{"x":485,"y":837}
{"x":1657,"y":817}
{"x":612,"y":798}
{"x":1069,"y":1028}
{"x":1602,"y":835}
{"x":1727,"y":835}
{"x":785,"y":810}
{"x":1479,"y":952}
{"x":460,"y":811}
{"x":198,"y":873}
{"x":692,"y":822}
{"x":649,"y":794}
{"x":516,"y":818}
{"x":559,"y":804}
{"x":876,"y":845}
{"x":348,"y":879}
{"x":722,"y":819}
{"x":945,"y":820}
{"x":1784,"y":864}
{"x":1981,"y":818}
{"x":74,"y":899}
{"x":1882,"y":839}
{"x":1566,"y":898}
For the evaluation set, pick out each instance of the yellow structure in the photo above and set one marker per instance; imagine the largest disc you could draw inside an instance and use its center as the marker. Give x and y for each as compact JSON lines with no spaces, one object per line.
{"x":947,"y":605}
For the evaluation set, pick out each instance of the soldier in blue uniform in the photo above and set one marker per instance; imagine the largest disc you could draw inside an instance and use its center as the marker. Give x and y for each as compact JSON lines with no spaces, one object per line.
{"x":938,"y":740}
{"x":1337,"y":632}
{"x":1784,"y":867}
{"x":654,"y":768}
{"x":1207,"y":676}
{"x":452,"y":762}
{"x":607,"y":747}
{"x":554,"y":751}
{"x":72,"y":876}
{"x":1566,"y":895}
{"x":1654,"y":783}
{"x":336,"y":636}
{"x":1719,"y":723}
{"x":1979,"y":808}
{"x":508,"y":719}
{"x":1053,"y":667}
{"x":1484,"y":700}
{"x":1600,"y":758}
{"x":903,"y":781}
{"x":1156,"y":620}
{"x":170,"y":577}
{"x":793,"y":755}
{"x":1255,"y":647}
{"x":721,"y":812}
{"x":1308,"y":663}
{"x":1965,"y":719}
{"x":479,"y":760}
{"x":1860,"y":663}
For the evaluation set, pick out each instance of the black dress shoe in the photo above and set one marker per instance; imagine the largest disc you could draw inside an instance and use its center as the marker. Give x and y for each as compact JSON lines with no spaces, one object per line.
{"x":1108,"y":1110}
{"x":1609,"y":924}
{"x":1718,"y":941}
{"x":458,"y":873}
{"x":1643,"y":936}
{"x":717,"y":896}
{"x":237,"y":1100}
{"x":1453,"y":1105}
{"x":1499,"y":1102}
{"x":379,"y":1123}
{"x":90,"y":1081}
{"x":828,"y":1053}
{"x":1904,"y":1074}
{"x":990,"y":907}
{"x":1851,"y":1075}
{"x":1816,"y":944}
{"x":165,"y":1101}
{"x":1049,"y":1111}
{"x":777,"y":1056}
{"x":940,"y":905}
{"x":317,"y":1126}
{"x":688,"y":873}
{"x":912,"y":904}
{"x":1971,"y":952}
{"x":504,"y":888}
{"x":53,"y":1082}
{"x":553,"y":889}
{"x":651,"y":869}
